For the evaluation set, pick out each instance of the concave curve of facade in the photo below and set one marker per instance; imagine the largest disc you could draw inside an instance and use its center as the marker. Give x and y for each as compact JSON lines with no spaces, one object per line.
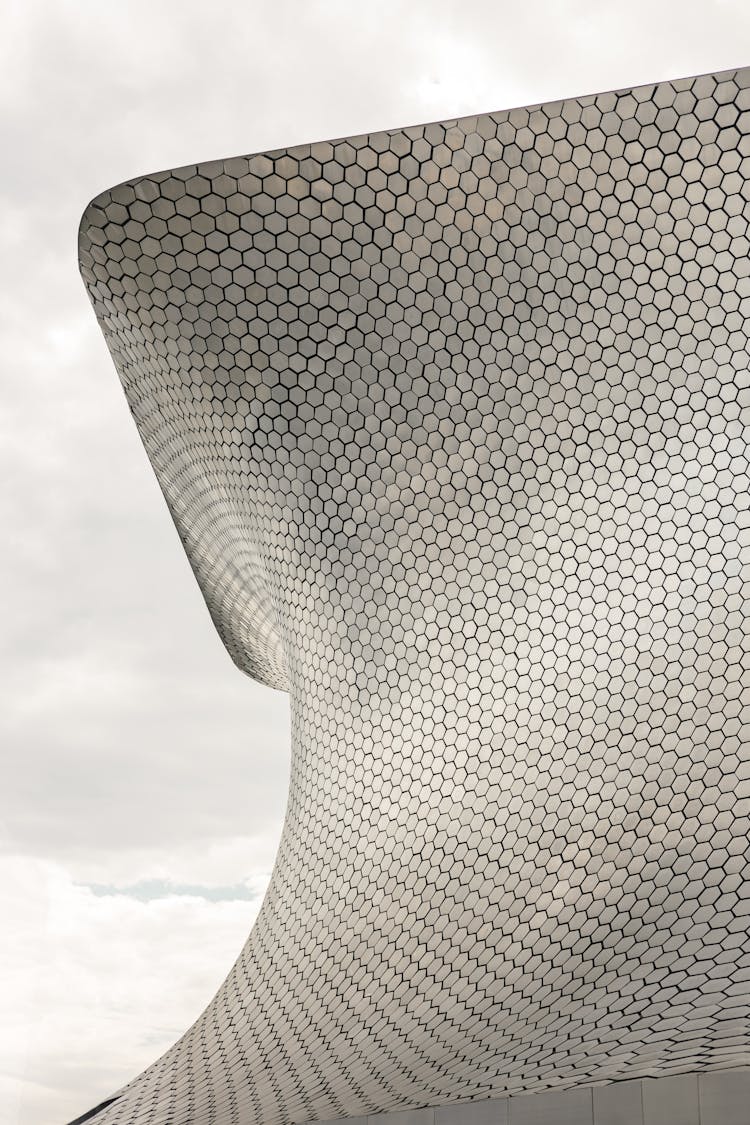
{"x":453,"y":423}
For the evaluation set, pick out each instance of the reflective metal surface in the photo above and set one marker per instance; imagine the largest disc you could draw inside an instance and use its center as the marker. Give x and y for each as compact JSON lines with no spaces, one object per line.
{"x":452,"y":421}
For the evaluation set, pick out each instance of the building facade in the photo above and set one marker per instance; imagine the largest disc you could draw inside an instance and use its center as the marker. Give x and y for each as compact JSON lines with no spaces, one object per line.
{"x":453,"y":424}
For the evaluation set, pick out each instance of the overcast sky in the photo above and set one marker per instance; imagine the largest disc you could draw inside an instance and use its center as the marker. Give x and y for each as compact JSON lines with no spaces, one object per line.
{"x":143,"y":777}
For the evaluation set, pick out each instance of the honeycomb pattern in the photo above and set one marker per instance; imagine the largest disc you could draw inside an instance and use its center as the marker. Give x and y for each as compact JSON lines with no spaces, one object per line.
{"x":453,"y":423}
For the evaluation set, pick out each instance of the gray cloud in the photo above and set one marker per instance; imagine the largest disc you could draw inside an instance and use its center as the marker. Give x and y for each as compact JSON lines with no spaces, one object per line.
{"x":148,"y":890}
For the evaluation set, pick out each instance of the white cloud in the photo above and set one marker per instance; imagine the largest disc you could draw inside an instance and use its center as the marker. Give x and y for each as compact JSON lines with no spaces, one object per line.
{"x":86,"y":973}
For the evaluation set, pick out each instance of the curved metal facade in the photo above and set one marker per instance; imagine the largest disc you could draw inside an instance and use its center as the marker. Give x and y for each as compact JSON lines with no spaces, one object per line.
{"x":452,"y":421}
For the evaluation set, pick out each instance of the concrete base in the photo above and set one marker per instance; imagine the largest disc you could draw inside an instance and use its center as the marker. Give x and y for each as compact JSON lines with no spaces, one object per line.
{"x":717,"y":1098}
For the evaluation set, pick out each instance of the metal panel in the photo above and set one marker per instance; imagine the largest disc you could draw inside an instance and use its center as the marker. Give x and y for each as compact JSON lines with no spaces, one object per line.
{"x":725,"y":1098}
{"x":571,"y":1107}
{"x":491,"y":1112}
{"x":621,"y":1103}
{"x":671,"y":1101}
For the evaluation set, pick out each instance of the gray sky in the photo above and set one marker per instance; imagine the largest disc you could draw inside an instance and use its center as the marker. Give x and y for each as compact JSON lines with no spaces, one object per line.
{"x":144,"y":779}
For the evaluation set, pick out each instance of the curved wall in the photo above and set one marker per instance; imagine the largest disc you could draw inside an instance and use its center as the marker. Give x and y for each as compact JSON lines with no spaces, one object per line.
{"x":452,"y":421}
